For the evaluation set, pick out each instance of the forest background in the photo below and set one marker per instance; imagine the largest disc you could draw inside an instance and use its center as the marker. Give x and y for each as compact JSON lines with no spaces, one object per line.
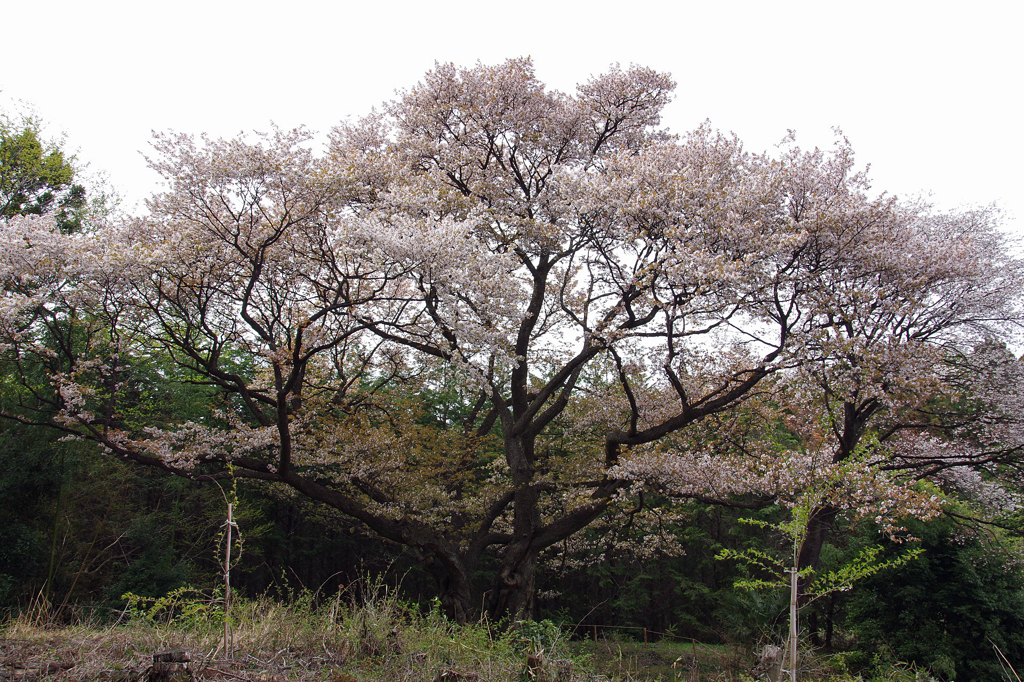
{"x":881,"y":407}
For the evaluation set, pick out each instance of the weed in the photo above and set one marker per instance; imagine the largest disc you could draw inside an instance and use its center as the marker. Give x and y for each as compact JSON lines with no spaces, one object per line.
{"x":364,"y":634}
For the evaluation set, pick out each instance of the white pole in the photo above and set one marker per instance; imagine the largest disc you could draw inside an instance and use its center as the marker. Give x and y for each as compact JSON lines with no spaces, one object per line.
{"x":227,"y":587}
{"x":792,"y":622}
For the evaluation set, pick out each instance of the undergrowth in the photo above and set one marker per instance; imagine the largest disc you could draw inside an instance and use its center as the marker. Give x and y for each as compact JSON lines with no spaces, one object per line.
{"x":363,"y":634}
{"x":366,"y":633}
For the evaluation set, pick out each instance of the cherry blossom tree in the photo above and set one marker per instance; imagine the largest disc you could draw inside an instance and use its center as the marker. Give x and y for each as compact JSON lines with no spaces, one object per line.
{"x":487,"y":312}
{"x":893,"y":356}
{"x":906,"y":296}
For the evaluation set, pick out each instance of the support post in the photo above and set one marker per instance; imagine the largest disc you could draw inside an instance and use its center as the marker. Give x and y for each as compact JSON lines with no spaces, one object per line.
{"x":793,"y":630}
{"x":227,"y":586}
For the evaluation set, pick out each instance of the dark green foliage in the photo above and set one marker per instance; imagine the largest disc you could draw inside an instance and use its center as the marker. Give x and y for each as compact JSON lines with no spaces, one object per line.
{"x":33,"y":469}
{"x":753,"y":617}
{"x":684,"y":596}
{"x":155,"y":568}
{"x":291,"y":544}
{"x":945,"y":609}
{"x":37,"y":177}
{"x":21,"y":559}
{"x":76,"y":520}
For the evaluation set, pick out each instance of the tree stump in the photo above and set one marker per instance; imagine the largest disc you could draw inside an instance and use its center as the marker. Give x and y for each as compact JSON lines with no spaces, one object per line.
{"x":770,"y":664}
{"x":170,"y":666}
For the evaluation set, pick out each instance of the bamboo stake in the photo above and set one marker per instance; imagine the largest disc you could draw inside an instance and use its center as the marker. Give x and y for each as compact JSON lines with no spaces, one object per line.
{"x":227,"y":585}
{"x":793,"y":574}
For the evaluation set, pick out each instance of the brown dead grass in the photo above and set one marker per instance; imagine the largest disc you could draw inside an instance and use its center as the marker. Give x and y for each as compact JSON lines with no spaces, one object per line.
{"x":377,"y":639}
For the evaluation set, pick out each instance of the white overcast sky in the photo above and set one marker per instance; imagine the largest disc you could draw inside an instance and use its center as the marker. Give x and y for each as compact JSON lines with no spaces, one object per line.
{"x":927,"y":92}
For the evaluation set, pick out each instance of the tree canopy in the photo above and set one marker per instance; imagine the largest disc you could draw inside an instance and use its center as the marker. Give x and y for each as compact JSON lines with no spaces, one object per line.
{"x":490,"y":313}
{"x":37,"y":177}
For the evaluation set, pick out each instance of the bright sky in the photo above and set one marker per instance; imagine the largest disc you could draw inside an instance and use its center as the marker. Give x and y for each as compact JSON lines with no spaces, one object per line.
{"x":927,"y":92}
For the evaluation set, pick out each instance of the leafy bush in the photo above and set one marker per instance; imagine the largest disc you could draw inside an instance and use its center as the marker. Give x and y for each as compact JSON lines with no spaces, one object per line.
{"x":945,"y":610}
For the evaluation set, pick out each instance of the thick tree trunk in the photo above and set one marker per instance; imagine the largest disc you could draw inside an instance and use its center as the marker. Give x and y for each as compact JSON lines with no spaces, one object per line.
{"x":512,"y":593}
{"x":457,"y":597}
{"x":515,"y":585}
{"x":454,"y":575}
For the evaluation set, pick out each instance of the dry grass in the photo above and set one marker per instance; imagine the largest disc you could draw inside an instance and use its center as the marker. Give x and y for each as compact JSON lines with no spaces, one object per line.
{"x":626,"y":660}
{"x":373,"y":638}
{"x":345,"y":640}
